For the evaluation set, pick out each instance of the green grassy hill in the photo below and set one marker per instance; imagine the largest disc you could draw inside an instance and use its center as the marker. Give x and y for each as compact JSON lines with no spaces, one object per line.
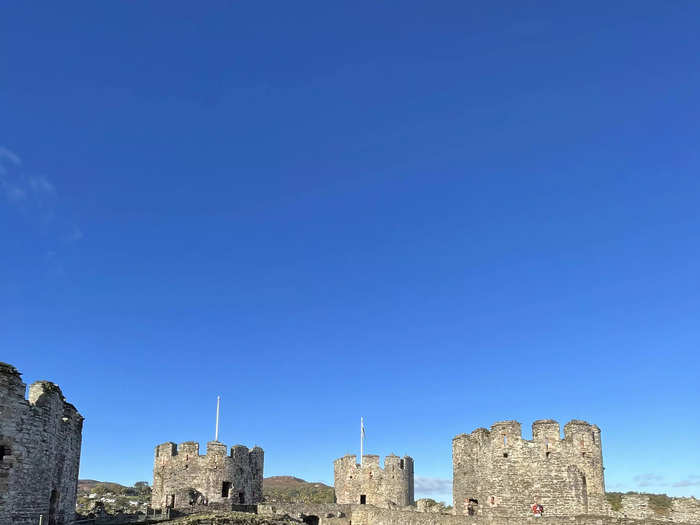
{"x":287,"y":489}
{"x":115,"y":497}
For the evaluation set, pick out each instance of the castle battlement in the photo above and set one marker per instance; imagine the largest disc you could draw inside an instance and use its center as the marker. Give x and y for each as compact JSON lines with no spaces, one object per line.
{"x":43,"y":395}
{"x":544,"y":431}
{"x":183,"y":477}
{"x":190,"y":449}
{"x":498,"y":467}
{"x":372,"y":483}
{"x":40,"y":440}
{"x":372,"y":461}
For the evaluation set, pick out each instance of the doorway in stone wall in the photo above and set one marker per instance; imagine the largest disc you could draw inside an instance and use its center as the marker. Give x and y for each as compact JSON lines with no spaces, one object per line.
{"x":53,"y":507}
{"x":241,"y":498}
{"x":363,"y":499}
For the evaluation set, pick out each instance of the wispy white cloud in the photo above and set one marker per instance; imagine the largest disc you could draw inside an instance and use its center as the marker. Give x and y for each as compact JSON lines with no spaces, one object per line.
{"x":8,"y":156}
{"x":19,"y":187}
{"x":425,"y":485}
{"x":75,"y":235}
{"x":691,"y":481}
{"x":40,"y":184}
{"x":34,"y":198}
{"x":649,"y":480}
{"x":8,"y":162}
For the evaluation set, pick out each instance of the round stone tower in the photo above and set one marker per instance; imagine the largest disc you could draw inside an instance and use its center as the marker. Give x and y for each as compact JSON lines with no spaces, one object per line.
{"x":40,"y":440}
{"x":371,"y":484}
{"x":184,"y":478}
{"x":498,"y":473}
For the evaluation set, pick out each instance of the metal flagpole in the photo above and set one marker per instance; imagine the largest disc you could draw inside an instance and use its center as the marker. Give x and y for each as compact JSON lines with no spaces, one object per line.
{"x":218,"y":403}
{"x":362,"y":439}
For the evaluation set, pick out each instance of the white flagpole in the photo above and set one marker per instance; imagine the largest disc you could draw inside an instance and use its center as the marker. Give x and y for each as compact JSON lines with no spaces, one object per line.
{"x":218,"y":403}
{"x":362,"y":439}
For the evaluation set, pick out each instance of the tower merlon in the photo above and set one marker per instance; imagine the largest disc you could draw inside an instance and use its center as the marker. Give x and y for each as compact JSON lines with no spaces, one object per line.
{"x":8,"y":369}
{"x":370,"y":459}
{"x":505,"y":430}
{"x":256,"y":454}
{"x":348,"y":459}
{"x":42,"y":393}
{"x":190,"y":448}
{"x":11,"y":381}
{"x":167,"y":449}
{"x":546,"y":430}
{"x":480,"y":434}
{"x":240,"y":452}
{"x":216,"y":448}
{"x":577,"y":427}
{"x":395,"y":462}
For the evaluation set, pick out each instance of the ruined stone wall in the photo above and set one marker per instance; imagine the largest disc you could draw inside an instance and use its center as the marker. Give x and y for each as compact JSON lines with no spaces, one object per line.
{"x":325,"y":513}
{"x":683,"y":510}
{"x":337,"y":514}
{"x":503,"y":474}
{"x":367,"y":515}
{"x":392,"y":484}
{"x":184,"y":478}
{"x":639,"y":506}
{"x":40,"y":441}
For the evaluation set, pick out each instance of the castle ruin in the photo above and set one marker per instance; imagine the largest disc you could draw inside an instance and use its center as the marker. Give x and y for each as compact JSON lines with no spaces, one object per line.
{"x":183,"y":478}
{"x":369,"y":483}
{"x":40,"y":439}
{"x":498,"y":473}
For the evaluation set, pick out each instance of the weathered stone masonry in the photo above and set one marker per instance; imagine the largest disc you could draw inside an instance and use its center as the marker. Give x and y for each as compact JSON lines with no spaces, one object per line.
{"x":498,"y":473}
{"x":371,"y":484}
{"x":184,"y":478}
{"x":40,"y":441}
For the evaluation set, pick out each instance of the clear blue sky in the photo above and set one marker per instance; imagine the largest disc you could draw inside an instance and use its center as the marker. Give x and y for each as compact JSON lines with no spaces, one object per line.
{"x":433,"y":216}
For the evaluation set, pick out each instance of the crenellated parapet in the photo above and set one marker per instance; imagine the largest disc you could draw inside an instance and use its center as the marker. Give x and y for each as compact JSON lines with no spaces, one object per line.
{"x":183,"y":477}
{"x":370,"y":483}
{"x":40,"y":441}
{"x":498,"y":472}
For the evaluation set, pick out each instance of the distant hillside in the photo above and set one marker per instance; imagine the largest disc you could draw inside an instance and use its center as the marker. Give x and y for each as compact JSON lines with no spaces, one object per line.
{"x":114,"y":497}
{"x":86,"y":485}
{"x":283,"y":481}
{"x":289,"y":489}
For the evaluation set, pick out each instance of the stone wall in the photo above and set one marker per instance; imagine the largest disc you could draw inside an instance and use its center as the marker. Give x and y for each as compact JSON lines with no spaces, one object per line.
{"x":367,"y":515}
{"x":337,"y":514}
{"x":640,"y":506}
{"x":317,"y":513}
{"x":40,"y":441}
{"x":183,"y":478}
{"x":371,"y":484}
{"x":498,"y":473}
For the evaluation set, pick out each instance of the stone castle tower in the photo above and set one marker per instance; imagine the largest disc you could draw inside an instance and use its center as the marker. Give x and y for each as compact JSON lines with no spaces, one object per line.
{"x":371,"y":484}
{"x":183,"y":478}
{"x":498,"y":473}
{"x":40,"y":441}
